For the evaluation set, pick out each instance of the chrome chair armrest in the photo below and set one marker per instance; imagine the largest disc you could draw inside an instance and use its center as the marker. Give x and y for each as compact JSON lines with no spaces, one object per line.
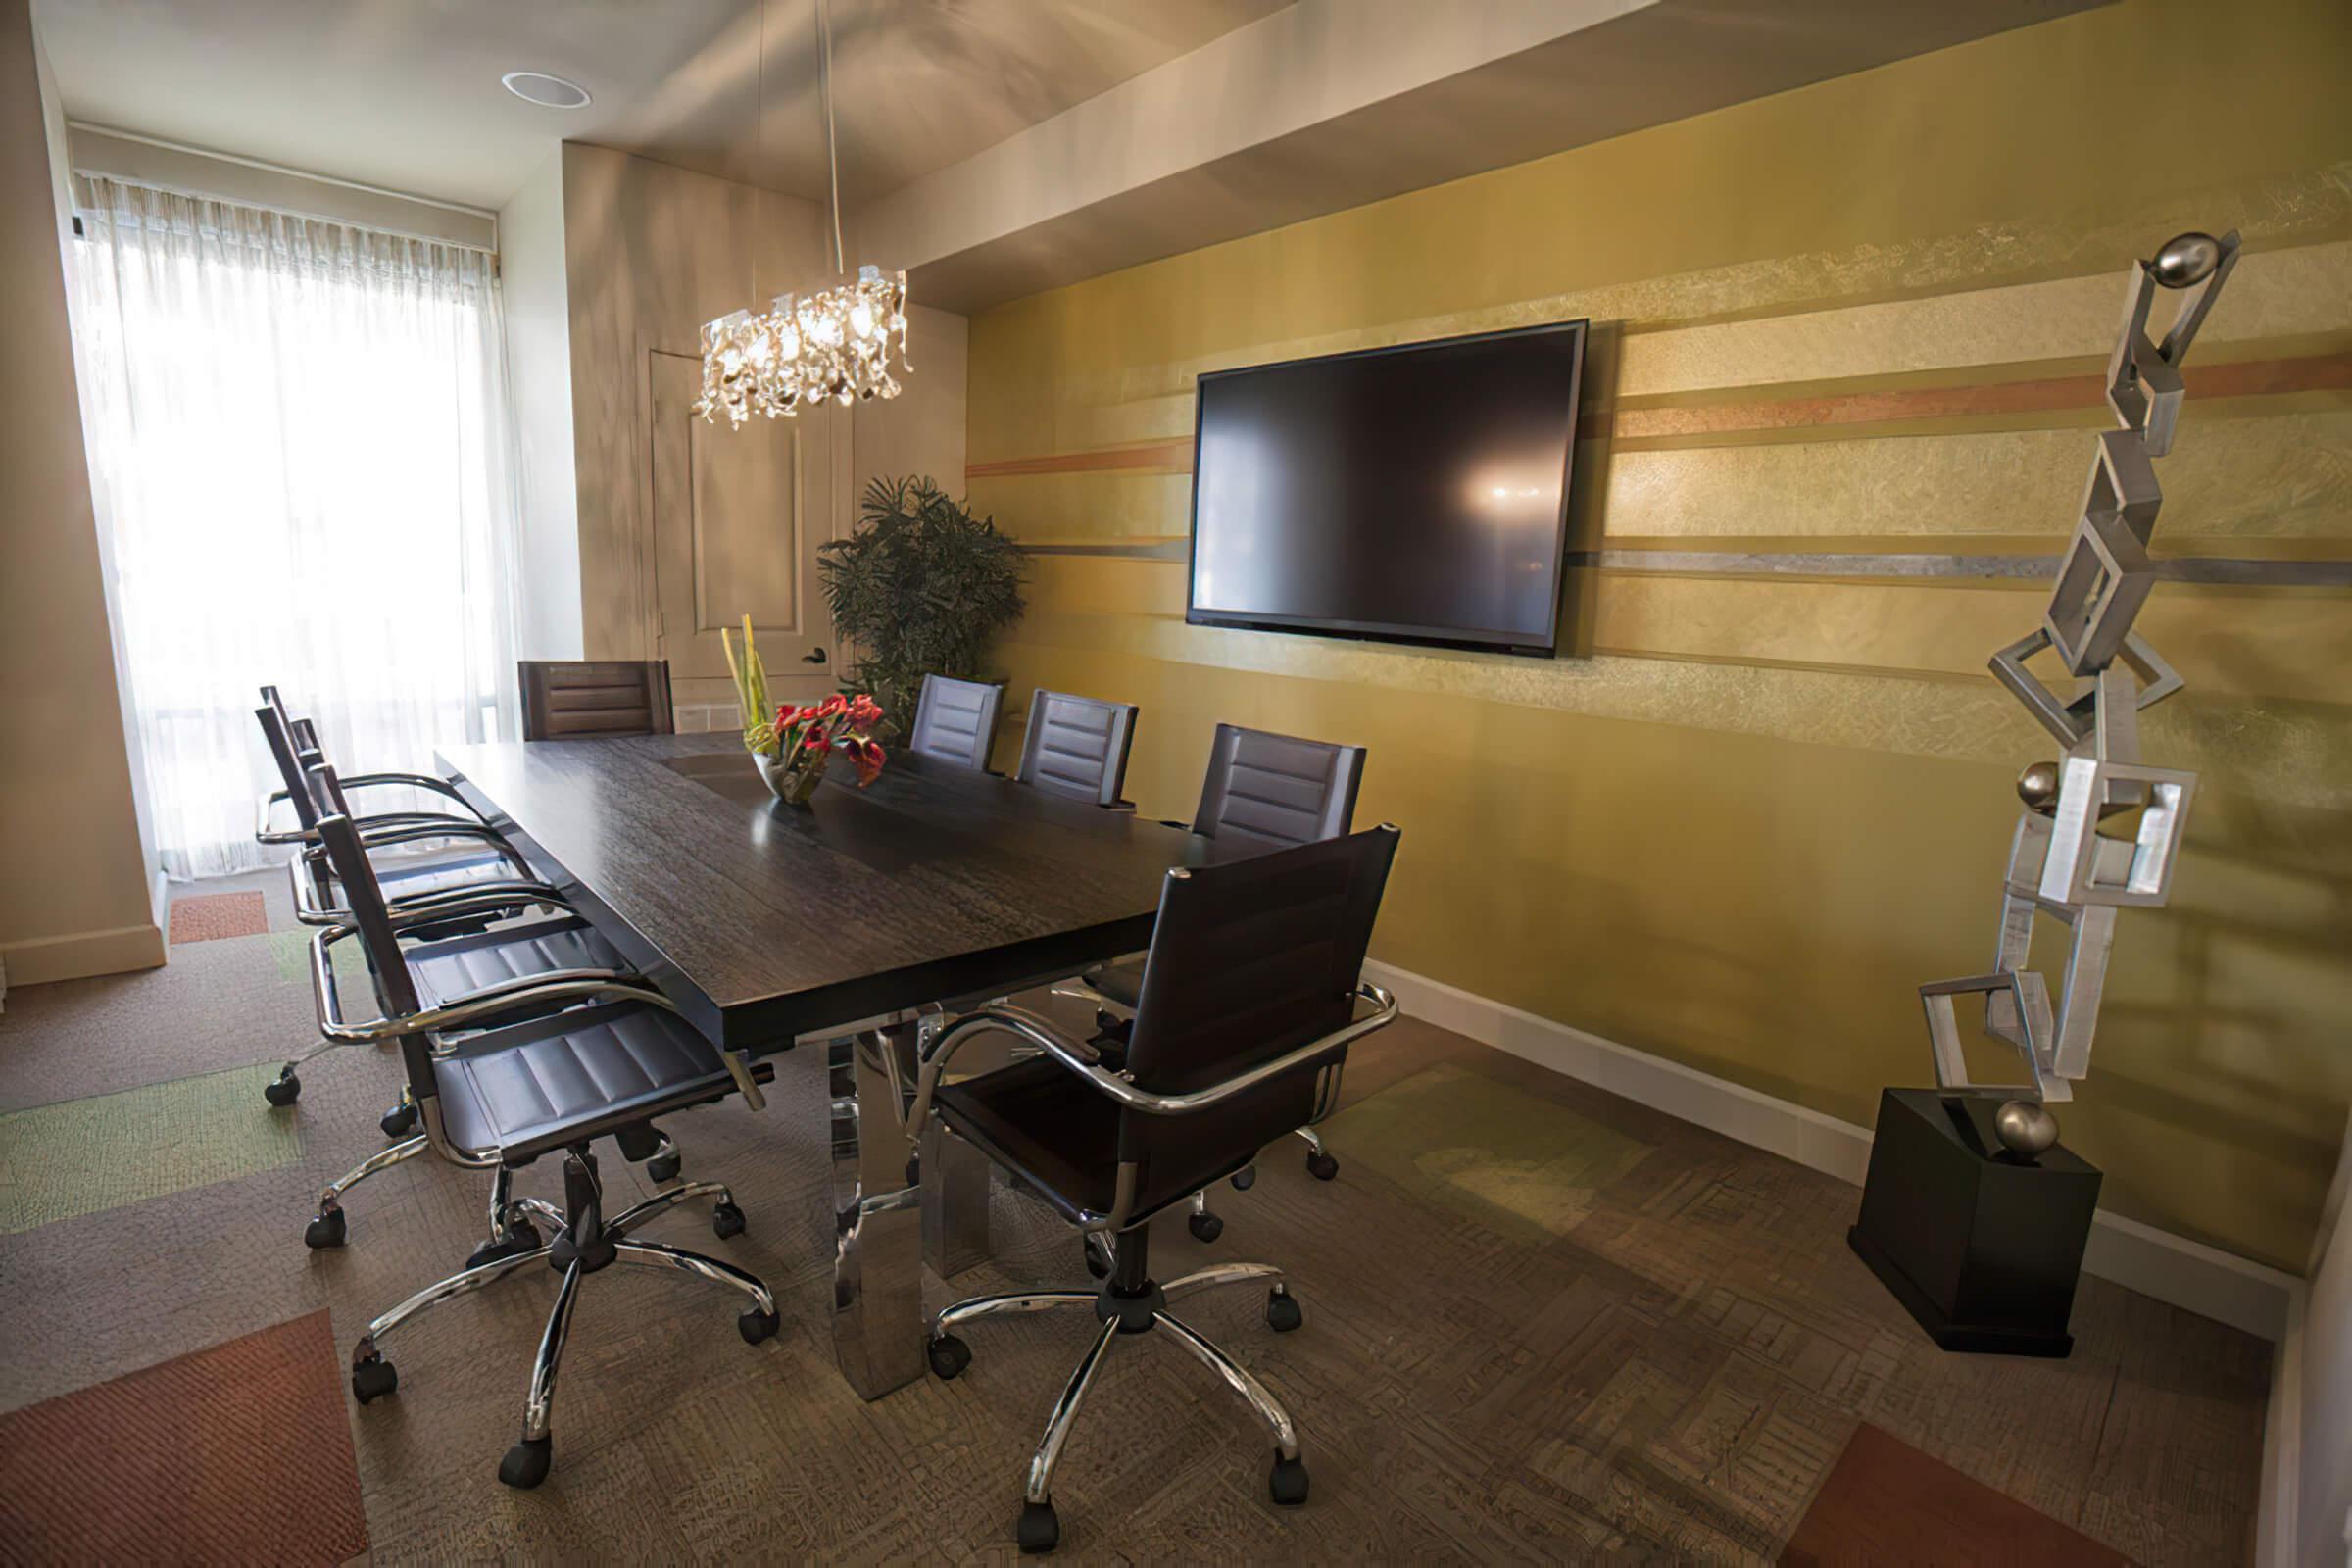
{"x":1083,"y":1060}
{"x":264,"y":833}
{"x":567,"y":985}
{"x":456,"y":903}
{"x":1080,"y":990}
{"x":414,"y":781}
{"x":432,"y":827}
{"x":311,"y":906}
{"x":523,"y":985}
{"x":446,"y":822}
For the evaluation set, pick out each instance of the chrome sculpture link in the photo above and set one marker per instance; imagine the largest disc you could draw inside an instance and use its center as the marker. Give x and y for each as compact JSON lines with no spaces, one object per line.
{"x":2060,"y":864}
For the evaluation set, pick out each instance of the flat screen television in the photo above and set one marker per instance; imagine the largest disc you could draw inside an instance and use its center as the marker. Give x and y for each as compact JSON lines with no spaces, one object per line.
{"x":1413,"y":494}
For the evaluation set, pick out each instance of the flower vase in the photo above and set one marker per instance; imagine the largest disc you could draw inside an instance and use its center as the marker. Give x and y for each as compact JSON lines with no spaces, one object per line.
{"x":795,"y":782}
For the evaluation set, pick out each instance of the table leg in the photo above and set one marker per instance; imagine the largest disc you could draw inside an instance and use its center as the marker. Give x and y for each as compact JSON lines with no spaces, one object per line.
{"x":877,"y":1220}
{"x":956,"y":1180}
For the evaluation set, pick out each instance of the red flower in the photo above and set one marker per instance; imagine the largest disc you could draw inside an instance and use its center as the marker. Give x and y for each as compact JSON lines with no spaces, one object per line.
{"x":832,"y":706}
{"x":814,"y":740}
{"x":864,"y":711}
{"x":866,"y":756}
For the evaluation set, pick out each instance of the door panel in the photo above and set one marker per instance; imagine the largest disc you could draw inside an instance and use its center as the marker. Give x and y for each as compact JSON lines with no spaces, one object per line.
{"x":737,"y":519}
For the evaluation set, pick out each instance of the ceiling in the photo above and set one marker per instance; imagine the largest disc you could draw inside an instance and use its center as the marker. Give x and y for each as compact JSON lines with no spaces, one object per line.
{"x":405,"y":95}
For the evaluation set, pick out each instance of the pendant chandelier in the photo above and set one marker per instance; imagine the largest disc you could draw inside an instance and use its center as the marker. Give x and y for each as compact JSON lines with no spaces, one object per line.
{"x":803,"y":349}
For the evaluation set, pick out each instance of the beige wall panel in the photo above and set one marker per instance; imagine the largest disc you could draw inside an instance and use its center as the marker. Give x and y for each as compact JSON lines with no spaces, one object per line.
{"x":922,"y":431}
{"x":76,"y":888}
{"x":653,"y":252}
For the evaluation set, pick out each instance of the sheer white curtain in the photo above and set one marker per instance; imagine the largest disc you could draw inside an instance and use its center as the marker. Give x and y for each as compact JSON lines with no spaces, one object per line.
{"x":299,"y":440}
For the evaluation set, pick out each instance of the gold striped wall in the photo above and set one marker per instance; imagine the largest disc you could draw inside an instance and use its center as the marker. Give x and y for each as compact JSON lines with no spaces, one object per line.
{"x":1845,"y":369}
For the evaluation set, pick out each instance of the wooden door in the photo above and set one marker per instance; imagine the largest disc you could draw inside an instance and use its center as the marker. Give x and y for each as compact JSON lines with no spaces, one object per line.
{"x":738,"y":515}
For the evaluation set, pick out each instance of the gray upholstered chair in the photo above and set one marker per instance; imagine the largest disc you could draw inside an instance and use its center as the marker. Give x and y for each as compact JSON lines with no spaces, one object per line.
{"x":1077,"y":746}
{"x":955,"y":721}
{"x":1278,"y":788}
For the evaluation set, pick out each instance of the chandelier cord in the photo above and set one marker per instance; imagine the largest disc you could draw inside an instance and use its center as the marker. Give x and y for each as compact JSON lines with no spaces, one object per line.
{"x":825,"y":89}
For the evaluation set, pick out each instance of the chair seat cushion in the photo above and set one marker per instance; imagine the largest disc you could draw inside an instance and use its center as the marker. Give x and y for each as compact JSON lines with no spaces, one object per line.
{"x":1038,"y":1121}
{"x":441,"y":971}
{"x":533,"y":1088}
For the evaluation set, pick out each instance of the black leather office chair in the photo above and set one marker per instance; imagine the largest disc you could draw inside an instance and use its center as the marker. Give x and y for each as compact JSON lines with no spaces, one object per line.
{"x":468,"y":857}
{"x":511,"y":1094}
{"x":1077,"y":746}
{"x":955,"y":721}
{"x":531,"y":967}
{"x":1259,"y":788}
{"x":454,"y":874}
{"x":1252,"y":993}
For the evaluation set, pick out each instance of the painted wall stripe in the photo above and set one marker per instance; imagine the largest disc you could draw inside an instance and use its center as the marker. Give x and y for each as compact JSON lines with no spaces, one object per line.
{"x":2225,"y":570}
{"x":2326,"y":372}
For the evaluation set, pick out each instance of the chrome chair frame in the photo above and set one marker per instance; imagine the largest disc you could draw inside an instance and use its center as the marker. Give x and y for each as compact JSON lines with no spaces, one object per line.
{"x":445,"y":1026}
{"x":436,"y":911}
{"x":1038,"y":1527}
{"x":580,"y":1232}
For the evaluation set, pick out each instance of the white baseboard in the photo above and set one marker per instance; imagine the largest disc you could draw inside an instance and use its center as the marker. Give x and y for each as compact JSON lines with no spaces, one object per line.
{"x":2171,"y":1268}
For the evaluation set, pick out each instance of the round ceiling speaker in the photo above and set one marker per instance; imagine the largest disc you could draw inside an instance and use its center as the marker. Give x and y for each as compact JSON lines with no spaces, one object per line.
{"x":551,"y":92}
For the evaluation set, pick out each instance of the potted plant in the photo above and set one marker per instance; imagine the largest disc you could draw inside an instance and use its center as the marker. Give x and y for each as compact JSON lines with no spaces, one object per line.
{"x":921,"y":587}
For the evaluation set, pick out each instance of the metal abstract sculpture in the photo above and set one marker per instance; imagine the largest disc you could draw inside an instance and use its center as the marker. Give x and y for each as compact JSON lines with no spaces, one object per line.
{"x":2060,"y":864}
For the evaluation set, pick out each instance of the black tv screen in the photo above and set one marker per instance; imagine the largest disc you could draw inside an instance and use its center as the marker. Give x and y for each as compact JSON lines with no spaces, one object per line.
{"x":1411,"y":494}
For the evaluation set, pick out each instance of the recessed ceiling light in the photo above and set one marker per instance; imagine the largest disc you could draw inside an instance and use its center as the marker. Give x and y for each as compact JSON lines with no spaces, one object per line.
{"x":552,"y":93}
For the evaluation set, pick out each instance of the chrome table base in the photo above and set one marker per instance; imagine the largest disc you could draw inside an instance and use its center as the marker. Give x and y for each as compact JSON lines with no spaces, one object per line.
{"x":896,"y":1207}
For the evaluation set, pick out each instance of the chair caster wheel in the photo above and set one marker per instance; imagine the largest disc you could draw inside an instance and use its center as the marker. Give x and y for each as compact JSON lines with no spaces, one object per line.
{"x":521,"y":1236}
{"x":1245,"y":1178}
{"x":1321,"y":1166}
{"x":525,"y":1464}
{"x":755,"y":1325}
{"x":948,"y":1355}
{"x":1286,"y":1483}
{"x":399,"y":1121}
{"x":1097,"y":1261}
{"x":1282,"y":1312}
{"x":727,"y":1222}
{"x":1040,"y":1529}
{"x":1204,"y":1226}
{"x":664,"y":1167}
{"x":282,"y":1089}
{"x":324,"y":1230}
{"x":372,"y":1377}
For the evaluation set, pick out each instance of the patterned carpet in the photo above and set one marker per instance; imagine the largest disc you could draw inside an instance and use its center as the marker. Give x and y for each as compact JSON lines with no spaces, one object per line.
{"x":1542,"y":1324}
{"x":238,"y":1453}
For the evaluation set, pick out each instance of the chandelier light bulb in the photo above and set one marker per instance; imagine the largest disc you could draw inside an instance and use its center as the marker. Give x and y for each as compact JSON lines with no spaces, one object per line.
{"x":835,"y":343}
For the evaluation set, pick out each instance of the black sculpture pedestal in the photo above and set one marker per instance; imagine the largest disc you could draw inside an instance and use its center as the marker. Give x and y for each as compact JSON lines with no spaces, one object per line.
{"x":1980,"y":1247}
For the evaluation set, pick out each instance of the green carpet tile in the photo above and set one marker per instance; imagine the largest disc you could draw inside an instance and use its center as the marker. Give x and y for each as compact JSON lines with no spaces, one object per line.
{"x":79,"y":1156}
{"x":1516,"y":1163}
{"x":292,"y":951}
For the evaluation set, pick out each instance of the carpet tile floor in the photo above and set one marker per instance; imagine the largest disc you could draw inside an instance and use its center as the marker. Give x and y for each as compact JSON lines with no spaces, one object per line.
{"x":1544,"y":1325}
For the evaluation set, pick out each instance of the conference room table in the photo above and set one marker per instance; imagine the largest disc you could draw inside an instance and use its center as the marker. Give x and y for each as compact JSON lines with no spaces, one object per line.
{"x":839,"y":926}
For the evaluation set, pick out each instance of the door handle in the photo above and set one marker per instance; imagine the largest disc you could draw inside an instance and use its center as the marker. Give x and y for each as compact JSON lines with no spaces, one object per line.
{"x":814,"y":656}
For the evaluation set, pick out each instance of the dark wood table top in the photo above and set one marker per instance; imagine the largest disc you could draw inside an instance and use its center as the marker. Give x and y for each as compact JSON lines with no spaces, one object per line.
{"x":763,"y":922}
